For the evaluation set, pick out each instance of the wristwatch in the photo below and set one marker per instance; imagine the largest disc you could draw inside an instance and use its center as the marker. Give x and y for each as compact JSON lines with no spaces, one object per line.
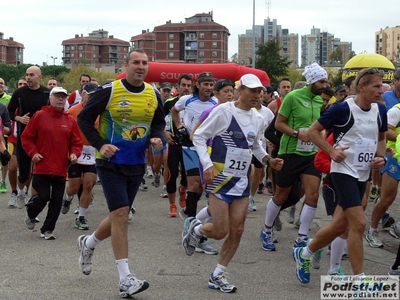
{"x":295,"y":133}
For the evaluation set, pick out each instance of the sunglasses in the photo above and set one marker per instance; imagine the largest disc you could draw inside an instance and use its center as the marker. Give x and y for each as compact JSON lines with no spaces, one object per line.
{"x":226,"y":82}
{"x":371,"y":71}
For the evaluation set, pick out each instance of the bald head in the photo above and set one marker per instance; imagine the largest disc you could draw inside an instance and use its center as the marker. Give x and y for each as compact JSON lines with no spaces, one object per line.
{"x":33,"y":76}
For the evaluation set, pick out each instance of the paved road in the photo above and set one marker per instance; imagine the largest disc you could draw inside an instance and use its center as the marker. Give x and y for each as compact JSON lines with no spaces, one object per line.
{"x":32,"y":268}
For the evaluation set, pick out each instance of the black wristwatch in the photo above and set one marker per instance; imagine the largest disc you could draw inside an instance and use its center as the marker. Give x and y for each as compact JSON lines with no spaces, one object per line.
{"x":384,"y":158}
{"x":295,"y":133}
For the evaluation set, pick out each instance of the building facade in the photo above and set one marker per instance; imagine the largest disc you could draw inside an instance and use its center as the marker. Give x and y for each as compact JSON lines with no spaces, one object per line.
{"x":198,"y":40}
{"x":387,"y":43}
{"x":99,"y":50}
{"x":11,"y":52}
{"x":288,"y":42}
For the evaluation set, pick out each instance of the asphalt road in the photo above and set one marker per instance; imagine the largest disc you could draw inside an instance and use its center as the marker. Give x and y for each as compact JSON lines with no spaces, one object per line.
{"x":33,"y":268}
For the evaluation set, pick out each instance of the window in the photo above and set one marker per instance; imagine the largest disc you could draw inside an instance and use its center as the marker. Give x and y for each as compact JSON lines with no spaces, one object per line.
{"x":94,"y":48}
{"x":201,"y":44}
{"x":201,"y":53}
{"x":171,"y":36}
{"x":72,"y":47}
{"x":94,"y":55}
{"x":201,"y":35}
{"x":72,"y":54}
{"x":171,"y":54}
{"x":214,"y":35}
{"x":80,"y":47}
{"x":80,"y":54}
{"x":214,"y":53}
{"x":171,"y":45}
{"x":214,"y":44}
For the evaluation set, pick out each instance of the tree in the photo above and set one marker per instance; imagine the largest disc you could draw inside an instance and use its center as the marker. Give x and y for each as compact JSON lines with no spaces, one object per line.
{"x":336,"y":56}
{"x":294,"y":75}
{"x":234,"y":58}
{"x":268,"y":58}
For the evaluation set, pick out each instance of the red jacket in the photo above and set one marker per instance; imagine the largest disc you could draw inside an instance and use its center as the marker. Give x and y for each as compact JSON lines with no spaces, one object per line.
{"x":54,"y":134}
{"x":322,"y":160}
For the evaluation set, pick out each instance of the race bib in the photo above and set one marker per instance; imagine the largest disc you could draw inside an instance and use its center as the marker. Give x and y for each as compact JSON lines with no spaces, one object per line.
{"x":364,"y":153}
{"x":88,"y":156}
{"x":237,"y":162}
{"x":304,"y":146}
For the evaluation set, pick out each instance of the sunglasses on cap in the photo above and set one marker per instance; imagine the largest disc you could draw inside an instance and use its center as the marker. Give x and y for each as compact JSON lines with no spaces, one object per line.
{"x":223,"y":83}
{"x":371,"y":71}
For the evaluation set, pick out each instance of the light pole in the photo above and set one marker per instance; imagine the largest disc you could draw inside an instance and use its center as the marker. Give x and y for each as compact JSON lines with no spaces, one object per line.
{"x":253,"y":61}
{"x":54,"y":60}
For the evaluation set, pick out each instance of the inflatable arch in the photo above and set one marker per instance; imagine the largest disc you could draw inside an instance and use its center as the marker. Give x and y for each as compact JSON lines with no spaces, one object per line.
{"x":369,"y":60}
{"x":161,"y":72}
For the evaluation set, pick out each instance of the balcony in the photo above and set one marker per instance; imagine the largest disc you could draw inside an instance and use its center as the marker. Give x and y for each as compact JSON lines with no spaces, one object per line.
{"x":191,"y":38}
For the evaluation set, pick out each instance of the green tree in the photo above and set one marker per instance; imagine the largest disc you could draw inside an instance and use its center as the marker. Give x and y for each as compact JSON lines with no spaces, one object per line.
{"x":336,"y":56}
{"x":294,"y":75}
{"x":268,"y":58}
{"x":234,"y":58}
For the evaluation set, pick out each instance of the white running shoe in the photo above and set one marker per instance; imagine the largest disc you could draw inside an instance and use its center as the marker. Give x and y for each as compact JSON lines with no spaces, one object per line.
{"x":131,"y":286}
{"x":85,"y":257}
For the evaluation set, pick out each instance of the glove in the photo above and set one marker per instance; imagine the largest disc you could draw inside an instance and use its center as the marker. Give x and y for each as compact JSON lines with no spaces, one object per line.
{"x":184,"y":137}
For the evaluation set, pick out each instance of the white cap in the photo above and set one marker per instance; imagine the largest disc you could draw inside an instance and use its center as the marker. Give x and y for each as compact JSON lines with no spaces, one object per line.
{"x":251,"y":81}
{"x":58,"y":90}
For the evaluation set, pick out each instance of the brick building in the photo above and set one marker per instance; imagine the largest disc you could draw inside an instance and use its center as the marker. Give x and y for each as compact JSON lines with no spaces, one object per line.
{"x":198,"y":40}
{"x":11,"y":52}
{"x":99,"y":50}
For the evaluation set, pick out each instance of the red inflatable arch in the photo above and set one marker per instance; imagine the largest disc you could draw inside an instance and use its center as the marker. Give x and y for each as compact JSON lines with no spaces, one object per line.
{"x":161,"y":72}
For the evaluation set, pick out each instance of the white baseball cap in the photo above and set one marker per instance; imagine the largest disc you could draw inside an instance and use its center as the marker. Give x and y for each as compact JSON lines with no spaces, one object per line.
{"x":58,"y":90}
{"x":251,"y":81}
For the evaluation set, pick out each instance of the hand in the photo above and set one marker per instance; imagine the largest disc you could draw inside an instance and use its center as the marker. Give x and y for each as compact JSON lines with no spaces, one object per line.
{"x":73,"y":158}
{"x":303,"y":136}
{"x":24,"y":119}
{"x":108,"y":150}
{"x":209,"y":175}
{"x":169,"y":136}
{"x":338,"y":154}
{"x":378,"y":163}
{"x":389,"y":151}
{"x":157,"y":144}
{"x":276,"y":163}
{"x":37,"y":157}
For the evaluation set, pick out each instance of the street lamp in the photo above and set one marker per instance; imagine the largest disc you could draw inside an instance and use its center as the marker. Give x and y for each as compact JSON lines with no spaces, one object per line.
{"x":54,"y":60}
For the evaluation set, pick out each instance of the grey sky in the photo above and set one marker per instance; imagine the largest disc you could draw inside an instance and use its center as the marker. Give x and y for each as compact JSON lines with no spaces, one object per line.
{"x":42,"y":25}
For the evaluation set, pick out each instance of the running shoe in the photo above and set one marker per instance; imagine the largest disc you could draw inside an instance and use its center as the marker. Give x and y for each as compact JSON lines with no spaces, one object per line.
{"x":164,"y":193}
{"x":3,"y":187}
{"x":85,"y":257}
{"x":260,"y":189}
{"x":252,"y":204}
{"x":21,"y":197}
{"x":182,"y":196}
{"x":278,"y":223}
{"x":48,"y":235}
{"x":219,"y":282}
{"x":269,"y":188}
{"x":374,"y":193}
{"x":12,"y":203}
{"x":395,"y":231}
{"x":302,"y":265}
{"x":29,"y":222}
{"x":143,"y":186}
{"x":131,"y":286}
{"x":66,"y":203}
{"x":157,"y":178}
{"x":205,"y":247}
{"x":290,"y":214}
{"x":301,"y":242}
{"x":395,"y":274}
{"x":149,"y":172}
{"x":373,"y":239}
{"x":387,"y":221}
{"x":267,"y":240}
{"x":182,"y":214}
{"x":81,"y":223}
{"x":172,"y":210}
{"x":190,"y":240}
{"x":316,"y":258}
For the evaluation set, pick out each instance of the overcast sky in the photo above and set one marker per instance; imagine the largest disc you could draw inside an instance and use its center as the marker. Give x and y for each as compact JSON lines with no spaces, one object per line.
{"x":42,"y":25}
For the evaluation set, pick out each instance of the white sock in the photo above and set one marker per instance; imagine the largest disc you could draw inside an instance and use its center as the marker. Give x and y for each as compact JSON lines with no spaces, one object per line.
{"x":306,"y":253}
{"x":123,"y":268}
{"x":203,"y":215}
{"x":196,"y":231}
{"x":92,"y":241}
{"x":82,"y":211}
{"x":337,"y":250}
{"x":306,"y":218}
{"x":372,"y":230}
{"x":271,"y":212}
{"x":219,"y":269}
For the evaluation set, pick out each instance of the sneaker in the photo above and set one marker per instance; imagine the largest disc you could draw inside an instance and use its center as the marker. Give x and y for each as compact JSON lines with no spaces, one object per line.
{"x":12,"y":203}
{"x":21,"y":197}
{"x":278,"y":223}
{"x":373,"y":239}
{"x":172,"y":210}
{"x":182,"y":214}
{"x":252,"y":204}
{"x":301,"y":242}
{"x":37,"y":220}
{"x":182,"y":197}
{"x":205,"y":247}
{"x":26,"y":198}
{"x":387,"y":221}
{"x":302,"y":265}
{"x":267,"y":240}
{"x":260,"y":189}
{"x":395,"y":231}
{"x":394,"y":274}
{"x":66,"y":204}
{"x":92,"y":200}
{"x":48,"y":235}
{"x":3,"y":187}
{"x":157,"y":178}
{"x":131,"y":213}
{"x":76,"y":211}
{"x":374,"y":193}
{"x":143,"y":186}
{"x":81,"y":223}
{"x":220,"y":282}
{"x":131,"y":286}
{"x":29,"y":222}
{"x":85,"y":257}
{"x":149,"y":172}
{"x":290,"y":214}
{"x":191,"y":240}
{"x":164,"y":193}
{"x":269,"y":188}
{"x":337,"y":272}
{"x":316,"y":258}
{"x":297,"y":223}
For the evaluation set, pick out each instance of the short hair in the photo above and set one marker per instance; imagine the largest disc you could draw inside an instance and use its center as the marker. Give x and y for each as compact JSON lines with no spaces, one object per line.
{"x":52,"y":78}
{"x":184,"y":76}
{"x":349,"y":81}
{"x":329,"y":91}
{"x":85,"y":75}
{"x":365,"y":76}
{"x":283,"y":79}
{"x":299,"y":85}
{"x":397,"y":74}
{"x":131,"y":51}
